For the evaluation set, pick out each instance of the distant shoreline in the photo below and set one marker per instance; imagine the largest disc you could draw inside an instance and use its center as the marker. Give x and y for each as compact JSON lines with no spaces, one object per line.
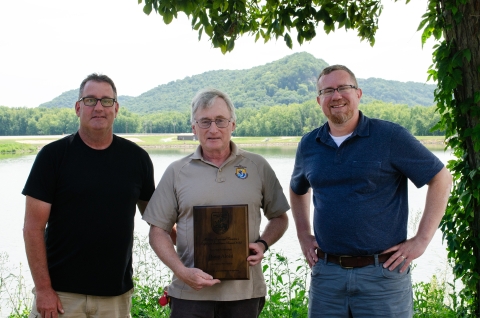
{"x":25,"y":144}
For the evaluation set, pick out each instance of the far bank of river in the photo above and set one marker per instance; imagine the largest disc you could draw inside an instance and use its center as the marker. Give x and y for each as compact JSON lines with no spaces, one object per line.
{"x":31,"y":144}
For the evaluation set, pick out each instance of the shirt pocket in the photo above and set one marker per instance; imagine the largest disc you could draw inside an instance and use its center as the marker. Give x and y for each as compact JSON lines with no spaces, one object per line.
{"x":365,"y":176}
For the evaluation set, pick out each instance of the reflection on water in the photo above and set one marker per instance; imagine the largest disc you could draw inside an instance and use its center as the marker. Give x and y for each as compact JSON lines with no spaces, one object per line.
{"x":274,"y":152}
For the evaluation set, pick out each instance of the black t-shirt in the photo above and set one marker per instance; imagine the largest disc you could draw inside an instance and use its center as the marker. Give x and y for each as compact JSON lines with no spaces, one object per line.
{"x":89,"y":234}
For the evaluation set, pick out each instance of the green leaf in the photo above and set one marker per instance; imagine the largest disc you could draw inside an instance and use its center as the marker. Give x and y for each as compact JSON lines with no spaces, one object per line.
{"x":147,"y":8}
{"x":230,"y":44}
{"x":467,"y":54}
{"x":168,"y":17}
{"x":288,"y":40}
{"x":476,"y":97}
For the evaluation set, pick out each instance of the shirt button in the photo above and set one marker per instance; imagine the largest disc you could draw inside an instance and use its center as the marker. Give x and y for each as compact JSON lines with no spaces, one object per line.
{"x":220,"y":170}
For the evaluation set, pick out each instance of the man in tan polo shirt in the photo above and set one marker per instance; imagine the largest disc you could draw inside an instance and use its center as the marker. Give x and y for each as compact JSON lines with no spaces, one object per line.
{"x":217,"y":173}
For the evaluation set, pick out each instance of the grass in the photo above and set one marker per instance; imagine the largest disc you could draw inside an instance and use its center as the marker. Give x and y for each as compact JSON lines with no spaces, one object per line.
{"x":13,"y":147}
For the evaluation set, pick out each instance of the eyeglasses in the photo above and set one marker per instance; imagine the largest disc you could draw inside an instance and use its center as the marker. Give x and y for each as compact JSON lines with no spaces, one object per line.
{"x":206,"y":123}
{"x":330,"y":91}
{"x":92,"y":101}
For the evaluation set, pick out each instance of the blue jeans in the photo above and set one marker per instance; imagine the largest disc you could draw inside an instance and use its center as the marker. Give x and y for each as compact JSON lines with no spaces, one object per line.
{"x":370,"y":291}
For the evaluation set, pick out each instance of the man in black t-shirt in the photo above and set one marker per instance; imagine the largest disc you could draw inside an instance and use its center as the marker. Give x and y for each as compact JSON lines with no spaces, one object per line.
{"x":81,"y":198}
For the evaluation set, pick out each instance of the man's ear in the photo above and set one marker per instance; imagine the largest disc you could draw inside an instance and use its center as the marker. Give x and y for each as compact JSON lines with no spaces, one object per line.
{"x":77,"y":108}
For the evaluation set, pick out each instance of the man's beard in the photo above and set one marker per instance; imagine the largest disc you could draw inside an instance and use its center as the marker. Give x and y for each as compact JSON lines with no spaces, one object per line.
{"x":340,"y":118}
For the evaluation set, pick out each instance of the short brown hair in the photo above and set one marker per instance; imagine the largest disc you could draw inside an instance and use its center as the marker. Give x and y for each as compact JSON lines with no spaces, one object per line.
{"x":100,"y":78}
{"x":329,"y":69}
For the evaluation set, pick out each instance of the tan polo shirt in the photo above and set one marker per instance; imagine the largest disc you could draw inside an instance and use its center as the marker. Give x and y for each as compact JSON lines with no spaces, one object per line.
{"x":191,"y":181}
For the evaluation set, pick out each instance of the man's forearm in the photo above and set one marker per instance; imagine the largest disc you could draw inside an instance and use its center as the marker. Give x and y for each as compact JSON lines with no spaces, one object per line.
{"x":300,"y":205}
{"x":437,"y":197}
{"x":37,"y":258}
{"x":162,"y":244}
{"x":275,"y":229}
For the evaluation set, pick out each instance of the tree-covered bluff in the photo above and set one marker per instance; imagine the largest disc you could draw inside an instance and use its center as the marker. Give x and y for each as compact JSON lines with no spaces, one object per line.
{"x":290,"y":80}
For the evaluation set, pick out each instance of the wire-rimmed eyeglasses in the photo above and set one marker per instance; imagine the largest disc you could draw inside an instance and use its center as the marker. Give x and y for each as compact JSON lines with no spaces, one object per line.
{"x":344,"y":89}
{"x":206,"y":123}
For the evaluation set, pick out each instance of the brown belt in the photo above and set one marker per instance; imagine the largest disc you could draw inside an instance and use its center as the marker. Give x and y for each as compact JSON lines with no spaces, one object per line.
{"x":353,"y":261}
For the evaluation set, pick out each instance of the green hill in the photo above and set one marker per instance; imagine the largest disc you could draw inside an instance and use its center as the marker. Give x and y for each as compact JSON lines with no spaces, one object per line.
{"x":289,"y":80}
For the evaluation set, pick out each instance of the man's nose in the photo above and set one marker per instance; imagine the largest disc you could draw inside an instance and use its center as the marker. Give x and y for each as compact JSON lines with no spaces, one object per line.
{"x":336,"y":95}
{"x":213,"y":127}
{"x":98,"y":105}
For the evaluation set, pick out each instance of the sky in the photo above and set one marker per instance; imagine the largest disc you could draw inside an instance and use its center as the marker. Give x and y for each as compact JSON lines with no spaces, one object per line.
{"x":48,"y":47}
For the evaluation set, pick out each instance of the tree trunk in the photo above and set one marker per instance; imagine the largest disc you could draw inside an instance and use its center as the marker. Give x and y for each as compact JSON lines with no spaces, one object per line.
{"x":464,"y":33}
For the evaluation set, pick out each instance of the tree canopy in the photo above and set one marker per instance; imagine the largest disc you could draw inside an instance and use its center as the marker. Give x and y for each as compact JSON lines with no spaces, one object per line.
{"x":223,"y":21}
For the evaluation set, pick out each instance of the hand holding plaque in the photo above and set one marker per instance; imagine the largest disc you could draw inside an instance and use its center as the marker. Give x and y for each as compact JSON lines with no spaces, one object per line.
{"x":221,"y":240}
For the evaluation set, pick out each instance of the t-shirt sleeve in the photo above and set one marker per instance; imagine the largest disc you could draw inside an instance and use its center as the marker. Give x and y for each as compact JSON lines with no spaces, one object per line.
{"x":42,"y":178}
{"x":413,"y":159}
{"x":148,"y":186}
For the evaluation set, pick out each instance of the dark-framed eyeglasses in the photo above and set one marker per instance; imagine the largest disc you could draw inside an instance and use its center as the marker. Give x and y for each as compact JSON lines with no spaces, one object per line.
{"x":344,"y":89}
{"x":92,"y":101}
{"x":206,"y":123}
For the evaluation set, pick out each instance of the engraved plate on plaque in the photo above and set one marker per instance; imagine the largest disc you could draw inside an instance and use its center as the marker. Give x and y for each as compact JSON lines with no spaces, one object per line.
{"x":221,"y":240}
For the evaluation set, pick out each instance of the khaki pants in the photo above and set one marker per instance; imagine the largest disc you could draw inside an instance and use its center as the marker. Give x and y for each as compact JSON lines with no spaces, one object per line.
{"x":87,"y":306}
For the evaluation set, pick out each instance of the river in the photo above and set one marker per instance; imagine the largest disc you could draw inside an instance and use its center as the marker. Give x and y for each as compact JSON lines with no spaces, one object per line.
{"x":15,"y":169}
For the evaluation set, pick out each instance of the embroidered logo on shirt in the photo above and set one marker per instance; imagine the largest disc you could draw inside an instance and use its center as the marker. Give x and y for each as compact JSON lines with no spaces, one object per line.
{"x":241,"y":172}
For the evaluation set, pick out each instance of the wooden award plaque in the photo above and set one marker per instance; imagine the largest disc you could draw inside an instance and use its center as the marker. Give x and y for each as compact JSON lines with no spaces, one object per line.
{"x":221,"y":240}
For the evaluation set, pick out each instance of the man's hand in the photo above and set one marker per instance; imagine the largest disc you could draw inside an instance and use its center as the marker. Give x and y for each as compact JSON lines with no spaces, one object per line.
{"x":309,"y":246}
{"x":196,"y":278}
{"x":48,"y":304}
{"x":256,"y":253}
{"x":407,"y":251}
{"x":161,"y":242}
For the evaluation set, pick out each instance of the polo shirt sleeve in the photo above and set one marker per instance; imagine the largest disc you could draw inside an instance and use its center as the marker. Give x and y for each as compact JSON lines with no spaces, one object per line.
{"x":299,"y":183}
{"x":162,"y":208}
{"x":413,"y":159}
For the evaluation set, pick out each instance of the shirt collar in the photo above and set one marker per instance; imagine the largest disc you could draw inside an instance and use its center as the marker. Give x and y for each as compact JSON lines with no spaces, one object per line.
{"x":361,"y":130}
{"x":233,"y":154}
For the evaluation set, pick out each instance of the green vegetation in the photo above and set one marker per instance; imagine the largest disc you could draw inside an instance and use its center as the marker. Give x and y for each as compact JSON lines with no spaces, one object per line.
{"x":22,"y":121}
{"x":290,"y":80}
{"x":291,"y":120}
{"x":430,"y":300}
{"x":286,"y":281}
{"x":13,"y":147}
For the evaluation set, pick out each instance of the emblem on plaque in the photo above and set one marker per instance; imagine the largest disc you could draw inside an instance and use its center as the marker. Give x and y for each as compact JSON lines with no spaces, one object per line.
{"x":220,"y":222}
{"x":241,"y":172}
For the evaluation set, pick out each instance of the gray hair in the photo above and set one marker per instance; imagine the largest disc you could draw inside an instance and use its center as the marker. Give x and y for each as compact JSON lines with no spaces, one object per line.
{"x":329,"y":69}
{"x":205,"y":99}
{"x":100,"y":78}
